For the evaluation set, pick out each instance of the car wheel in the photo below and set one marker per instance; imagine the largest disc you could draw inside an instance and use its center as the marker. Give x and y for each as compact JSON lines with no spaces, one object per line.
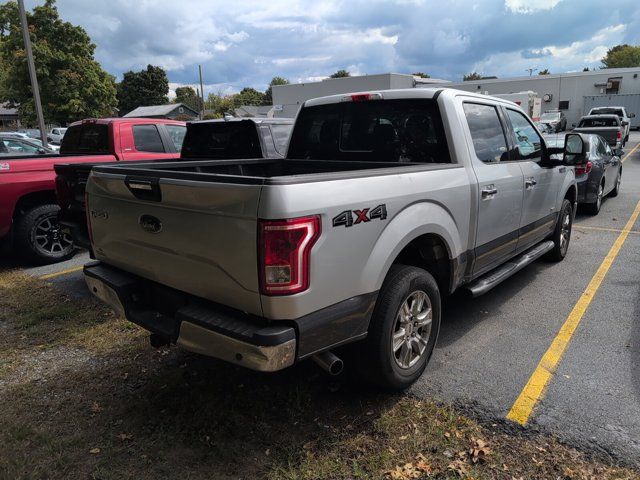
{"x":594,"y":208}
{"x":39,"y":237}
{"x":616,"y":189}
{"x":403,"y":329}
{"x":562,"y":233}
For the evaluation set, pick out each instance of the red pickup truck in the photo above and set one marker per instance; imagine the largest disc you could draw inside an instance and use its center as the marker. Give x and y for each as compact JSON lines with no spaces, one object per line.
{"x":28,"y":208}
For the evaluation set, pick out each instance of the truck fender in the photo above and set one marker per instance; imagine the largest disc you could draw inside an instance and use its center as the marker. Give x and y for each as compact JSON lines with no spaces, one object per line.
{"x":415,"y":220}
{"x":568,"y":182}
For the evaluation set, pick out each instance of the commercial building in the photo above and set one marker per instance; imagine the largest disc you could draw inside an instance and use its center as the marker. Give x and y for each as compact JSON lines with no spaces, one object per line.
{"x":574,"y":93}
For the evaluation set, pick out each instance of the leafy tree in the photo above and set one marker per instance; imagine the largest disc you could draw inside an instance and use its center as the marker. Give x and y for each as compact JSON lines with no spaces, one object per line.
{"x":471,"y":76}
{"x":622,"y":56}
{"x":248,"y":96}
{"x":143,"y":88}
{"x":218,"y":104}
{"x":421,"y":75}
{"x":189,"y":97}
{"x":544,"y":72}
{"x":340,"y":74}
{"x":72,"y":84}
{"x":585,"y":69}
{"x":268,"y":98}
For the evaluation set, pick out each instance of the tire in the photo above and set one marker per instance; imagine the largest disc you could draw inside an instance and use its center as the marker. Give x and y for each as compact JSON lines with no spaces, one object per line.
{"x":38,"y":236}
{"x":594,"y":208}
{"x":562,"y":233}
{"x":616,"y":189}
{"x":376,"y":361}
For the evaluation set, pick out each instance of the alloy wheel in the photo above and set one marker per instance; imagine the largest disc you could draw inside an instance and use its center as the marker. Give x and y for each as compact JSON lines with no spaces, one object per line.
{"x":412,"y":329}
{"x":49,"y":239}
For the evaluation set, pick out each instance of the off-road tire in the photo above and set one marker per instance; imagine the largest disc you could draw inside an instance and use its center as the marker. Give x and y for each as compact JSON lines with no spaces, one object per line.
{"x":25,"y":236}
{"x":375,"y":361}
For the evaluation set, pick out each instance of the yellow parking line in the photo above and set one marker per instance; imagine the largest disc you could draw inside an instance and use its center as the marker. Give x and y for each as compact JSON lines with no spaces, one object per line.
{"x":630,"y":152}
{"x":60,"y":273}
{"x":535,"y":388}
{"x":604,"y":229}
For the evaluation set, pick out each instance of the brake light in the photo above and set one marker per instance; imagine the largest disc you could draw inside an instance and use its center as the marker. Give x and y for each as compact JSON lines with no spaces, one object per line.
{"x":283,"y":249}
{"x":64,"y":193}
{"x":586,"y":168}
{"x":619,"y":136}
{"x":362,"y":97}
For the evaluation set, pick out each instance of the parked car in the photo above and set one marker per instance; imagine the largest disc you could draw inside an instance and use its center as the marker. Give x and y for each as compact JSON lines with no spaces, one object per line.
{"x":20,"y":146}
{"x":211,"y":139}
{"x":381,"y":206}
{"x":607,"y":126}
{"x":28,"y":209}
{"x":600,"y":173}
{"x":555,"y":119}
{"x":30,"y":132}
{"x":544,"y":128}
{"x":621,"y":112}
{"x":55,"y":135}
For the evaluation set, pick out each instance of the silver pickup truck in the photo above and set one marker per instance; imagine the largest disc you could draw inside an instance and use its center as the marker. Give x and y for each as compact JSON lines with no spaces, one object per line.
{"x":385,"y":202}
{"x":608,"y":127}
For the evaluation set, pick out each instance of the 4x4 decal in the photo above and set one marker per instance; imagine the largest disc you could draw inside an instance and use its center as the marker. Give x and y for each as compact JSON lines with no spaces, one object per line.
{"x":349,"y":218}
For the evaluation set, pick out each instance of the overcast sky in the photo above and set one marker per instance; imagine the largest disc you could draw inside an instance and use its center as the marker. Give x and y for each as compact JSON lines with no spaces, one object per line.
{"x":247,"y":42}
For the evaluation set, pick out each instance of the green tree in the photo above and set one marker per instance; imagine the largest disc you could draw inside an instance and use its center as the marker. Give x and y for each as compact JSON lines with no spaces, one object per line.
{"x":340,"y":74}
{"x":248,"y":96}
{"x":189,"y":97}
{"x":143,"y":88}
{"x":421,"y":75}
{"x":218,"y":104}
{"x":544,"y":72}
{"x":622,"y":56}
{"x":585,"y":69}
{"x":72,"y":84}
{"x":268,"y":98}
{"x":471,"y":76}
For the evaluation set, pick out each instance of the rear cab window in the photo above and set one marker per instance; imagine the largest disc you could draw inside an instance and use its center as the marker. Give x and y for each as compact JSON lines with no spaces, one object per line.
{"x":147,"y":139}
{"x":399,"y":131}
{"x":598,"y":122}
{"x":86,"y":138}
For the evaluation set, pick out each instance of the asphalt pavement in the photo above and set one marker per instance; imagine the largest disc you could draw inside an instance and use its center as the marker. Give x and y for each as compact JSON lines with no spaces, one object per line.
{"x":490,"y":346}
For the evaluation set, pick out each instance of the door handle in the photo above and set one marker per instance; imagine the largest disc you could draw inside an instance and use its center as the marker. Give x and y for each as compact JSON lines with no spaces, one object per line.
{"x":489,"y":191}
{"x":530,"y":183}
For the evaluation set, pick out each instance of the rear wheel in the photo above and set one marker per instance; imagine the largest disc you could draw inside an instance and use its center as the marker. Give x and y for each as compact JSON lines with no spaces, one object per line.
{"x":594,"y":208}
{"x":562,"y":233}
{"x":403,"y":330}
{"x":39,"y":237}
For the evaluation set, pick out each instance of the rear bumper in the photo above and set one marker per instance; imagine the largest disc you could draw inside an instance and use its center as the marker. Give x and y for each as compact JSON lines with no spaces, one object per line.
{"x":194,"y":324}
{"x":218,"y":331}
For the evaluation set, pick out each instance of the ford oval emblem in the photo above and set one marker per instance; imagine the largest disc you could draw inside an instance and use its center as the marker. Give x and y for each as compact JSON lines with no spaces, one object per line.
{"x":150,"y":224}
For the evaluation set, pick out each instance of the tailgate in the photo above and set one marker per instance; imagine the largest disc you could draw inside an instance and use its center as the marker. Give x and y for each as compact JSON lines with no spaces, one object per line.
{"x":195,"y":236}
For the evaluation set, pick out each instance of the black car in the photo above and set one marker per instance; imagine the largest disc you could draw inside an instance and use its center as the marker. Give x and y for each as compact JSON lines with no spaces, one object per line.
{"x":601,"y":173}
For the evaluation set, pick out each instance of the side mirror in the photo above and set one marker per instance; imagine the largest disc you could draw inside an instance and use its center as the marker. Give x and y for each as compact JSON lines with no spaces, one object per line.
{"x":632,"y":115}
{"x":618,"y":152}
{"x":41,"y":151}
{"x":574,"y":149}
{"x":625,"y":123}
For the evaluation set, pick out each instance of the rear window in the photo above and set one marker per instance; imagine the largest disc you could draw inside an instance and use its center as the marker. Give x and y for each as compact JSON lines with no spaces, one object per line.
{"x":89,"y":138}
{"x":608,"y":111}
{"x":598,"y":122}
{"x":147,"y":139}
{"x":406,"y":131}
{"x":234,"y":139}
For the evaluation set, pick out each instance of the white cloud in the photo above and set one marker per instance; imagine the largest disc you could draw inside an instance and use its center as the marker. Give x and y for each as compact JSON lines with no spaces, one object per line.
{"x":530,"y":6}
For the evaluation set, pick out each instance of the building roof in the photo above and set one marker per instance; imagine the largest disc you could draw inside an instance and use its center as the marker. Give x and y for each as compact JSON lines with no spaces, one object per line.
{"x":158,"y":110}
{"x":5,"y":111}
{"x":611,"y":72}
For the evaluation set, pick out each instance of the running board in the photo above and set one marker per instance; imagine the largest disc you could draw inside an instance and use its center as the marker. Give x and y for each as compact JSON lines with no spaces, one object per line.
{"x":485,"y":283}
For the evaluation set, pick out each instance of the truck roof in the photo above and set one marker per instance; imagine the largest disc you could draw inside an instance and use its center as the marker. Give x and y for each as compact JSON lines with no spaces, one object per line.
{"x":407,"y":93}
{"x":106,"y":121}
{"x":257,"y":120}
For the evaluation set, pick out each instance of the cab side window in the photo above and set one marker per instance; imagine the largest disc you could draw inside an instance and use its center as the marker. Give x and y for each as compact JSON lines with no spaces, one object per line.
{"x":147,"y":139}
{"x":487,"y":134}
{"x":528,"y":142}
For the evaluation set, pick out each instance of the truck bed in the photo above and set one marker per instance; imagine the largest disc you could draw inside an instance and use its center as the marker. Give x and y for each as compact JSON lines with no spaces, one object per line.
{"x":266,"y":171}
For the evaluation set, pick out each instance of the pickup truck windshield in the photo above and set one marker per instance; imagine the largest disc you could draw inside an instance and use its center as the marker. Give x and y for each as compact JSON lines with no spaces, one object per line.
{"x":598,"y":122}
{"x":87,"y":138}
{"x":407,"y":131}
{"x":211,"y":140}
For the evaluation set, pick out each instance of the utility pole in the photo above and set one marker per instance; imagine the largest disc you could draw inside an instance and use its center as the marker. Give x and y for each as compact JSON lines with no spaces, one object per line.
{"x":32,"y":71}
{"x":530,"y":70}
{"x":201,"y":93}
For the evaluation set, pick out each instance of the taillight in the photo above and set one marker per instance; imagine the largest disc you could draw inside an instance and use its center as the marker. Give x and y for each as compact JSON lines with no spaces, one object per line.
{"x":64,"y":192}
{"x":586,"y":168}
{"x":284,"y":247}
{"x":362,"y":97}
{"x":619,"y":136}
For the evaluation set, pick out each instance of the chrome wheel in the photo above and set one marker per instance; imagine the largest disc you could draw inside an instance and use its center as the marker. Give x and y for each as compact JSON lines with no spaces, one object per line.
{"x":49,"y":239}
{"x":565,"y":232}
{"x":412,"y":329}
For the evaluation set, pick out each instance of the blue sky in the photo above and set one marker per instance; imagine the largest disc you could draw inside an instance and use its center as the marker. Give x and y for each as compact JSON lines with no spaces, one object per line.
{"x":247,"y":42}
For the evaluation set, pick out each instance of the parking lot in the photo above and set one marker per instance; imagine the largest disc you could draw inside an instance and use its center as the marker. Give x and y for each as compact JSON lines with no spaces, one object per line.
{"x":494,"y":351}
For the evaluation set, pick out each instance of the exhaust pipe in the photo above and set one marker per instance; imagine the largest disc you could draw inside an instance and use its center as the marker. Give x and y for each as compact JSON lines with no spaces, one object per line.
{"x":329,"y":362}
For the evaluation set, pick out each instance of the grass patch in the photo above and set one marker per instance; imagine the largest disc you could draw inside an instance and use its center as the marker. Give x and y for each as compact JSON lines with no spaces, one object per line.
{"x":127,"y":411}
